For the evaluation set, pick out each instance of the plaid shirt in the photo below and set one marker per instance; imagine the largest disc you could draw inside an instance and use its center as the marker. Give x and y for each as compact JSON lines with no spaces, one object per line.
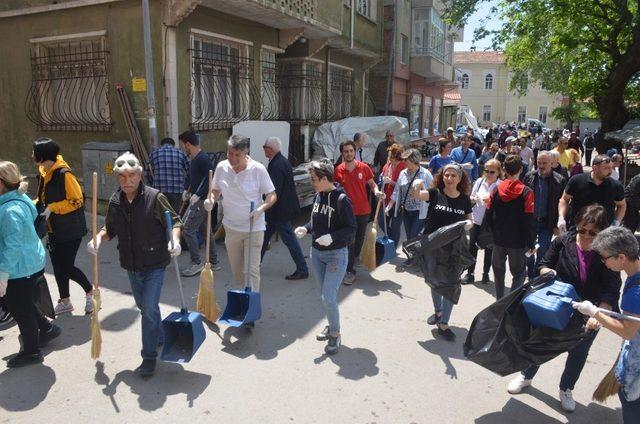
{"x":170,"y":169}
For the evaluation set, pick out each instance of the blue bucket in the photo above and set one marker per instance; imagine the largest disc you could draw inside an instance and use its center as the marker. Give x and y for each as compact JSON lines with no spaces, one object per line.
{"x":385,"y":250}
{"x":243,"y":307}
{"x":183,"y":335}
{"x":550,"y":306}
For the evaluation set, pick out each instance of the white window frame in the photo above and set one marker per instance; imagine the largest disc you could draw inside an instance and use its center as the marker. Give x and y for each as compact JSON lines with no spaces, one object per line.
{"x":488,"y":81}
{"x":542,"y":114}
{"x":522,"y":114}
{"x":404,"y":49}
{"x":464,"y":81}
{"x":486,"y":113}
{"x":367,"y":8}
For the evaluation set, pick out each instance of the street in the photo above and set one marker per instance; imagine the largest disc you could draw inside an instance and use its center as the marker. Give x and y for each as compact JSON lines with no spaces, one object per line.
{"x":390,"y":368}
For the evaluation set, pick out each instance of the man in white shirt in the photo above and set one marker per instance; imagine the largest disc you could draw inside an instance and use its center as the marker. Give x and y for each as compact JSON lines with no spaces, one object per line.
{"x":240,"y":180}
{"x":526,"y":153}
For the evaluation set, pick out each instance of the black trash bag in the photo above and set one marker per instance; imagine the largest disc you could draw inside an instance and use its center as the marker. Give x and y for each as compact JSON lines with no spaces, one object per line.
{"x":443,"y":256}
{"x":42,"y":298}
{"x":502,"y":340}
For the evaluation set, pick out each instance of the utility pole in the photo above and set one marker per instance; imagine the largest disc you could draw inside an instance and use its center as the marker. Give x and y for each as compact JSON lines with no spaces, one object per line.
{"x":392,"y":56}
{"x":148,"y":62}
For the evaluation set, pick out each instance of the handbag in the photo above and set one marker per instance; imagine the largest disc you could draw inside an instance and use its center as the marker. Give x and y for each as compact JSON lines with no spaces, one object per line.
{"x":404,"y":199}
{"x":42,"y":298}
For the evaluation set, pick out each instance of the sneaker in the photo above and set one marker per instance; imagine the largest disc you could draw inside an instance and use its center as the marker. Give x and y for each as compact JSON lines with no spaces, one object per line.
{"x":349,"y":278}
{"x":88,"y":304}
{"x":146,"y":368}
{"x":298,"y":275}
{"x":194,"y":269}
{"x":485,"y":279}
{"x":333,"y":344}
{"x":323,"y":335}
{"x":62,"y":308}
{"x":468,"y":279}
{"x":216,"y":266}
{"x":23,"y":359}
{"x":46,"y":336}
{"x":517,"y":384}
{"x":433,"y":319}
{"x":566,"y":400}
{"x":447,"y":334}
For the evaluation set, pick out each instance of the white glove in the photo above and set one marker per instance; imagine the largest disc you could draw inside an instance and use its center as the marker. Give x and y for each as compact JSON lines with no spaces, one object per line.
{"x":585,"y":308}
{"x":3,"y":285}
{"x":185,"y":195}
{"x":387,"y":180}
{"x":474,"y":199}
{"x":94,"y":249}
{"x":256,"y":212}
{"x":325,"y":240}
{"x":417,"y":183}
{"x":562,"y":225}
{"x":466,"y":166}
{"x":194,"y":199}
{"x":380,"y":195}
{"x":468,"y":225}
{"x":46,"y":213}
{"x":300,"y":232}
{"x":174,"y":248}
{"x":208,"y":205}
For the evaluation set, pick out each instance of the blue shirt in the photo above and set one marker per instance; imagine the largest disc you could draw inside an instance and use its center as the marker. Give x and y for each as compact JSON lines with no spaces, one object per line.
{"x":438,"y":162}
{"x":542,"y":196}
{"x":199,"y":173}
{"x":460,"y":157}
{"x":169,"y":168}
{"x":628,"y":367}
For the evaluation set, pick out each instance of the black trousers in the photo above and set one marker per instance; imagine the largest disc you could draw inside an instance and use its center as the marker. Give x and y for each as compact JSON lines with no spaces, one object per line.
{"x":473,"y":249}
{"x":63,"y":258}
{"x":356,"y":247}
{"x":20,"y":302}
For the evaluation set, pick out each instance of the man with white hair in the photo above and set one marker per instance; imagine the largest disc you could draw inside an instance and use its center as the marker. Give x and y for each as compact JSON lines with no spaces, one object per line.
{"x":286,"y":208}
{"x":136,"y":216}
{"x":555,"y":164}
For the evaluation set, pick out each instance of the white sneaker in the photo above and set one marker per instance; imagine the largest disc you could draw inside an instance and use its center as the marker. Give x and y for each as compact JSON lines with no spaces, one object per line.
{"x":88,"y":304}
{"x":518,"y":384}
{"x":566,"y":400}
{"x":62,"y":308}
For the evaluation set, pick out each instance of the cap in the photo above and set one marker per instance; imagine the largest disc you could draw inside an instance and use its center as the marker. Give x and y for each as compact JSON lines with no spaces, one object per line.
{"x":450,"y":129}
{"x":510,"y":139}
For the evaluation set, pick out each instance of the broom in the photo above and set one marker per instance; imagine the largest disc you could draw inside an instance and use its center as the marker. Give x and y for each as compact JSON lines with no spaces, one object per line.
{"x":206,"y":302}
{"x":609,"y":385}
{"x":368,"y":255}
{"x":96,"y":337}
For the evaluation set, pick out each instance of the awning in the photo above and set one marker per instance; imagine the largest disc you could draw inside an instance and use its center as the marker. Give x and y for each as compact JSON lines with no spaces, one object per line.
{"x":451,"y":98}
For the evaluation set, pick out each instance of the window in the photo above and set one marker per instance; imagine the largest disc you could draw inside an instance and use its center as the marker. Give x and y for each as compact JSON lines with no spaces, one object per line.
{"x":488,"y":82}
{"x":436,"y":116}
{"x":404,"y":49}
{"x":69,"y":87}
{"x":465,"y":81}
{"x":522,"y":114}
{"x":221,"y":76}
{"x":340,"y":83}
{"x":428,"y":33}
{"x":301,"y":91}
{"x":542,"y":114}
{"x":486,"y":113}
{"x":426,"y":116}
{"x":270,"y":94}
{"x":414,"y":118}
{"x":366,"y":8}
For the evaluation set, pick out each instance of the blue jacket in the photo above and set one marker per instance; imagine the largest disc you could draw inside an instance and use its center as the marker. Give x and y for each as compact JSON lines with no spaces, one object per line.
{"x":470,"y":157}
{"x":21,"y":252}
{"x":287,"y":206}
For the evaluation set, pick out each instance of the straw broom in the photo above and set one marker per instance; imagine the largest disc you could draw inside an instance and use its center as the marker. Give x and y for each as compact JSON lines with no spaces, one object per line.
{"x":609,"y":385}
{"x":96,"y":337}
{"x":206,"y":302}
{"x":368,"y":255}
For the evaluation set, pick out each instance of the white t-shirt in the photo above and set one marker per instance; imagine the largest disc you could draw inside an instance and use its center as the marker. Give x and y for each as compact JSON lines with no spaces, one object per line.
{"x":615,"y":174}
{"x":526,"y":154}
{"x":481,"y":189}
{"x":239,"y":190}
{"x":537,"y":142}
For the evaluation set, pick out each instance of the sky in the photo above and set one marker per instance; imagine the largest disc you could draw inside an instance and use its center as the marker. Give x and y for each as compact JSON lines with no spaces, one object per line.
{"x":474,"y":22}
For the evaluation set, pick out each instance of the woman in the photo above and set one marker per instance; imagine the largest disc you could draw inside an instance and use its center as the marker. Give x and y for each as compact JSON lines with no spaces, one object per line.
{"x":489,"y":152}
{"x":480,"y":193}
{"x":442,"y":158}
{"x":618,"y":250}
{"x":572,"y":258}
{"x":22,"y":260}
{"x":449,"y":203}
{"x":333,"y":228}
{"x":389,"y":175}
{"x":61,"y":196}
{"x":403,"y":208}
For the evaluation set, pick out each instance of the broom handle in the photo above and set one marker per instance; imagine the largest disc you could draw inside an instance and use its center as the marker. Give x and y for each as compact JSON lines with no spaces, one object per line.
{"x":249,"y":250}
{"x":183,"y":305}
{"x":375,"y":218}
{"x":384,"y":217}
{"x":605,"y":311}
{"x":207,"y":243}
{"x":94,"y":225}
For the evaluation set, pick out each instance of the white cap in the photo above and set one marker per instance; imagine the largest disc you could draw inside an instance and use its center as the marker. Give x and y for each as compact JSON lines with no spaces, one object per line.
{"x":127,"y":162}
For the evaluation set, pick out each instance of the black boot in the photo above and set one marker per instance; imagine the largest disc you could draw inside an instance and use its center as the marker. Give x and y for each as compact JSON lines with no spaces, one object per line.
{"x":23,"y":359}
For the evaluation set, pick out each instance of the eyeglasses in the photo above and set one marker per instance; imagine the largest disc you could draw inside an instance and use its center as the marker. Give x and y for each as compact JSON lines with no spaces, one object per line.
{"x":491,"y":172}
{"x":132,"y":163}
{"x":585,"y":231}
{"x":604,"y":258}
{"x":266,"y":147}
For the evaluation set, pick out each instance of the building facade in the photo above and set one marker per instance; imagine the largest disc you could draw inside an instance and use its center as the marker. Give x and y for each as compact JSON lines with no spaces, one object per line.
{"x":484,"y":89}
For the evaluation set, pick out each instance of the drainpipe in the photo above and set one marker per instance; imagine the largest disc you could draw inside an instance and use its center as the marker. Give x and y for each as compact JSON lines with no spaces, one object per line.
{"x":148,"y":61}
{"x":353,"y":21}
{"x":392,"y":57}
{"x":171,"y":83}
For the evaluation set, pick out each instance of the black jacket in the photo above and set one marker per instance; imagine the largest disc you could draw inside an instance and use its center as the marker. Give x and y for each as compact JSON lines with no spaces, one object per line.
{"x":556,"y":188}
{"x":510,"y":215}
{"x":602,"y":285}
{"x":287,"y":205}
{"x":332,"y":214}
{"x":62,"y":228}
{"x":632,"y":194}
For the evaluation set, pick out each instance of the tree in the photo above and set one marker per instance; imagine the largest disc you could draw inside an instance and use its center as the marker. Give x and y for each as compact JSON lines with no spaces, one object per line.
{"x":588,"y":50}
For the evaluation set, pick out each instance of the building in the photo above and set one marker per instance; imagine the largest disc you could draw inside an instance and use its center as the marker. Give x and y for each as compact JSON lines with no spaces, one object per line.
{"x":417,"y":70}
{"x":485,"y":90}
{"x":216,"y":63}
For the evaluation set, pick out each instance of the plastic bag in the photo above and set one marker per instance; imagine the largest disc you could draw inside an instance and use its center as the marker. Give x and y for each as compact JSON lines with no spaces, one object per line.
{"x":502,"y":340}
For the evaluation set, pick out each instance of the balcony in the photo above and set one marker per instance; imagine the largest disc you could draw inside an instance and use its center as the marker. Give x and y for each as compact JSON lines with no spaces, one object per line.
{"x":432,"y":65}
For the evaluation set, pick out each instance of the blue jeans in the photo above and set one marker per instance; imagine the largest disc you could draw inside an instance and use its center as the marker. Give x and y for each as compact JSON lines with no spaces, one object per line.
{"x":572,"y":368}
{"x":196,"y":219}
{"x":630,"y":410}
{"x":442,"y":305}
{"x":146,"y":287}
{"x":289,"y":239}
{"x":329,"y":268}
{"x":544,"y":240}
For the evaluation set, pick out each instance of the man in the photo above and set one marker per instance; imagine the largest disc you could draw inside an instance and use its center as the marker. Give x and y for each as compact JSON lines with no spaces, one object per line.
{"x":505,"y":149}
{"x":574,"y":142}
{"x":536,"y":145}
{"x":359,"y":141}
{"x":466,"y":157}
{"x":555,"y":164}
{"x":136,"y":216}
{"x":526,"y":153}
{"x":285,"y":209}
{"x":564,"y":159}
{"x":380,"y":158}
{"x":616,"y":161}
{"x":594,"y":187}
{"x":168,"y":171}
{"x":451,"y":136}
{"x":241,"y":181}
{"x":196,"y":215}
{"x":547,"y":187}
{"x":510,"y":209}
{"x":354,"y":176}
{"x":588,"y":144}
{"x":632,"y":196}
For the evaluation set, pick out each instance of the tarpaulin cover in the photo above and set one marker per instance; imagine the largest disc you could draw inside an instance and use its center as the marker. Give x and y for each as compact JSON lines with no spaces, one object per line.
{"x":327,"y":137}
{"x":502,"y":340}
{"x":443,"y":256}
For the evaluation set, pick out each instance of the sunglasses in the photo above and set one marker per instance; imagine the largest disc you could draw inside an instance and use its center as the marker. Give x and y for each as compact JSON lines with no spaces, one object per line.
{"x":132,"y":163}
{"x":585,"y":231}
{"x":598,"y":162}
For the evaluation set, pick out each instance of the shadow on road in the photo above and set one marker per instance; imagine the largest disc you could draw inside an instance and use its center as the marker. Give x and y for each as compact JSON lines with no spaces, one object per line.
{"x":353,"y":363}
{"x":25,"y":388}
{"x":590,"y":413}
{"x":170,"y":379}
{"x":76,"y":331}
{"x":120,"y":320}
{"x":515,"y":411}
{"x":447,"y":350}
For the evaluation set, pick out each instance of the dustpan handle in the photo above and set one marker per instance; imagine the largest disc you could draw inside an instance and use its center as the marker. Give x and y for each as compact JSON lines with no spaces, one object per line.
{"x":384,"y":216}
{"x":183,"y":305}
{"x":250,"y":286}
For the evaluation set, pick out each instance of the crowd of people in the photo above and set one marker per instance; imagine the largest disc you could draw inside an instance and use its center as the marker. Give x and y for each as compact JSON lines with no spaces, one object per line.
{"x":544,"y":214}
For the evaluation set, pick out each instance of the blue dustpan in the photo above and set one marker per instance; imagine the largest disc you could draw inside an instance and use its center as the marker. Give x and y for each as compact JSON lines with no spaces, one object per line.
{"x":184,"y":330}
{"x":385,"y":247}
{"x":243,"y":306}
